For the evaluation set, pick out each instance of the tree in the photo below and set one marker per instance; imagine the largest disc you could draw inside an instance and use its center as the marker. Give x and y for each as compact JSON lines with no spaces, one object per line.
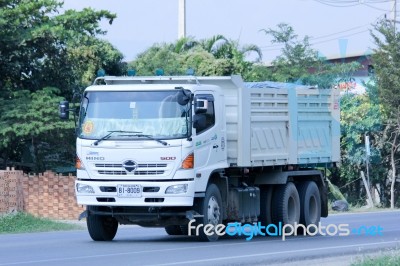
{"x":360,"y":116}
{"x":88,"y":57}
{"x":158,"y":56}
{"x":386,"y":59}
{"x":45,"y":57}
{"x":35,"y":43}
{"x":30,"y":123}
{"x":213,"y":56}
{"x":300,"y":63}
{"x":297,"y":57}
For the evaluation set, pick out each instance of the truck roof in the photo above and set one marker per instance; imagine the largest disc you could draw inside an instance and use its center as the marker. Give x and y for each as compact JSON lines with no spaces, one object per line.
{"x":214,"y":80}
{"x":114,"y":80}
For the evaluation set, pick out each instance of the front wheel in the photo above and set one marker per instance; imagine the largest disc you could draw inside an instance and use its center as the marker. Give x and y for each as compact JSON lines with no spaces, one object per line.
{"x":101,"y":227}
{"x":174,"y":230}
{"x":211,"y":209}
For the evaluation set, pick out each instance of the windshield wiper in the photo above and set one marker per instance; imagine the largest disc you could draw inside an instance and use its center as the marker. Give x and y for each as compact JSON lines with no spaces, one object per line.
{"x":110,"y":133}
{"x":146,"y":136}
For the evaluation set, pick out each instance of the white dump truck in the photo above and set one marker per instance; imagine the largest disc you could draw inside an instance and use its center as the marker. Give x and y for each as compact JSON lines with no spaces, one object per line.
{"x":166,"y":150}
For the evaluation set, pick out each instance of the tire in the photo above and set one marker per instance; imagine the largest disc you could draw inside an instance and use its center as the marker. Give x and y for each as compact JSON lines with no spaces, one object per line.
{"x":173,"y":230}
{"x":310,"y":203}
{"x":286,"y":205}
{"x":184,"y":229}
{"x":211,"y":209}
{"x":101,"y":228}
{"x":266,"y":205}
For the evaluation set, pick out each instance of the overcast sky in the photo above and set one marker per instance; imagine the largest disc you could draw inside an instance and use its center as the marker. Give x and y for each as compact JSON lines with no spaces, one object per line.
{"x":336,"y":27}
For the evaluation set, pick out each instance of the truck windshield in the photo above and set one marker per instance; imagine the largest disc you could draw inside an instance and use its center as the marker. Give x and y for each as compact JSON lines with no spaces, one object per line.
{"x":155,"y":114}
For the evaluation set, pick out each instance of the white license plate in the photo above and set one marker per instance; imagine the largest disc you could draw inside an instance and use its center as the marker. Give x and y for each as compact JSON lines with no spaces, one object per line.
{"x":129,"y":191}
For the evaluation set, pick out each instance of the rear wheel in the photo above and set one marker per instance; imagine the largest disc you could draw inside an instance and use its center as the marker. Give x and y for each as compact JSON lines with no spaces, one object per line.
{"x":211,"y":209}
{"x":266,"y":205}
{"x":286,"y":204}
{"x":101,"y":227}
{"x":310,"y":204}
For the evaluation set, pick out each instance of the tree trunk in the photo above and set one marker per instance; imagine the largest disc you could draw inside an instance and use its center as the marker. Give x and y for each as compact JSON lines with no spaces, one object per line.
{"x":393,"y":165}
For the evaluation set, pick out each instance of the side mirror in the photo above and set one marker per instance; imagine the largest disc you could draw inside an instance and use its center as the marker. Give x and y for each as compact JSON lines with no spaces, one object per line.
{"x":63,"y":109}
{"x":199,"y":121}
{"x":200,"y":106}
{"x":183,"y":96}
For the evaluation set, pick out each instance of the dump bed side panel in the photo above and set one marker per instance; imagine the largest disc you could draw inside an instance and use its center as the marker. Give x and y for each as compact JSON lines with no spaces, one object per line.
{"x":290,"y":125}
{"x":270,"y":131}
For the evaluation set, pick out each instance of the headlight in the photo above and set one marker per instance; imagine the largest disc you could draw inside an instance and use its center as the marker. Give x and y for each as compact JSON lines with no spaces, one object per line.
{"x":82,"y":188}
{"x":177,"y":189}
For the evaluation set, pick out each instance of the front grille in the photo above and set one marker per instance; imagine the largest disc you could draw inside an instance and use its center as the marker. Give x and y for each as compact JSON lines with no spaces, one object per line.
{"x":154,"y":200}
{"x":148,"y":172}
{"x":143,"y":169}
{"x":108,"y":165}
{"x":152,"y":165}
{"x":112,"y":172}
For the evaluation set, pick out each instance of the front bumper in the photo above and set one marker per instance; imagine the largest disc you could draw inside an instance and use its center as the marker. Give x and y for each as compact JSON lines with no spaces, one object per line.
{"x":152,"y":195}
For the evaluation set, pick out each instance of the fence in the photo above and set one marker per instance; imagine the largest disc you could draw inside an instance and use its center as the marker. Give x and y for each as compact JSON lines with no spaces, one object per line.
{"x":46,"y":195}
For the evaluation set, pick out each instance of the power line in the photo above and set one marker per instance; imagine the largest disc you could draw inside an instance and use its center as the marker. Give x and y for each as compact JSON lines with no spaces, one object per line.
{"x":356,"y":33}
{"x":354,"y":1}
{"x":314,"y":43}
{"x":325,"y":3}
{"x":351,"y":3}
{"x":279,"y":46}
{"x":376,"y":8}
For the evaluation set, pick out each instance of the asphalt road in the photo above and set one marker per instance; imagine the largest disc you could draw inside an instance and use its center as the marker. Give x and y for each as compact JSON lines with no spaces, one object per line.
{"x":135,"y":245}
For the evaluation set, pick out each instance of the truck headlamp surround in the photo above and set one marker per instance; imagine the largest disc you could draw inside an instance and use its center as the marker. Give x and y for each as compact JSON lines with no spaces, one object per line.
{"x":177,"y":189}
{"x":83,"y":188}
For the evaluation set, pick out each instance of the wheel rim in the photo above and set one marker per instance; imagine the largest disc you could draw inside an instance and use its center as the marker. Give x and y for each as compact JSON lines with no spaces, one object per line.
{"x":213,"y":212}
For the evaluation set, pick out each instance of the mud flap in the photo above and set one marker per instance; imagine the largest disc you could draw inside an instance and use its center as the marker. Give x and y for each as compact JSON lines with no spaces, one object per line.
{"x":84,"y":214}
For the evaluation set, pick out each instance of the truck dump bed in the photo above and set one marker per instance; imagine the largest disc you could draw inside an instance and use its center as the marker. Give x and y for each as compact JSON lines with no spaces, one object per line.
{"x":270,"y":124}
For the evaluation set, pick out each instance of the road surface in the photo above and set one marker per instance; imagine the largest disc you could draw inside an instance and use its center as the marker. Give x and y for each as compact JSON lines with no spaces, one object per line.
{"x":133,"y":245}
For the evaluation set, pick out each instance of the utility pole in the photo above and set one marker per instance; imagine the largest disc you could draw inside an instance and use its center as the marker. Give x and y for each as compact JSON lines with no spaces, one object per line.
{"x":182,"y":19}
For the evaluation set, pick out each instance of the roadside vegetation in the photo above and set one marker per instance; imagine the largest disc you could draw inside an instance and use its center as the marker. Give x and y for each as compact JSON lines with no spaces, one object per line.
{"x":390,"y":259}
{"x":26,"y":223}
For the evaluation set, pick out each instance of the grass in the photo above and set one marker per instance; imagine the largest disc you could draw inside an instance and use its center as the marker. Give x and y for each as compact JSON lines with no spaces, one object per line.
{"x":356,"y":209}
{"x":26,"y":223}
{"x":382,"y":260}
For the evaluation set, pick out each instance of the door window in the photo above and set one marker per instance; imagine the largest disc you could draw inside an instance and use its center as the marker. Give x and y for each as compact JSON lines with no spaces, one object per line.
{"x":209,"y":114}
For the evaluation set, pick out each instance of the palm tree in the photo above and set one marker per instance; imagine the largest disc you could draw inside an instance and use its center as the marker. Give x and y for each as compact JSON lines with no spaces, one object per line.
{"x":222,"y":48}
{"x":184,"y":44}
{"x":213,"y":44}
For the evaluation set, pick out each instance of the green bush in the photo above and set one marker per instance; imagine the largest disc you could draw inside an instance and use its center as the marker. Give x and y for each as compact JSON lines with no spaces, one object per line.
{"x":25,"y":223}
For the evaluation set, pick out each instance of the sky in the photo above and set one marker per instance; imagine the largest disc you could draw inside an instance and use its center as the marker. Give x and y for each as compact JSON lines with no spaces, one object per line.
{"x":336,"y":28}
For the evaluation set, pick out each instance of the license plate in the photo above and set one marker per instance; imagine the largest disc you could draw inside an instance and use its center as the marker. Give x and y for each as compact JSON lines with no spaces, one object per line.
{"x":129,"y":191}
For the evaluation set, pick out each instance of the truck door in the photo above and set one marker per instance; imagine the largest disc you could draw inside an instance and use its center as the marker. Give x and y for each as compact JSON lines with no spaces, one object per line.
{"x":210,"y":135}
